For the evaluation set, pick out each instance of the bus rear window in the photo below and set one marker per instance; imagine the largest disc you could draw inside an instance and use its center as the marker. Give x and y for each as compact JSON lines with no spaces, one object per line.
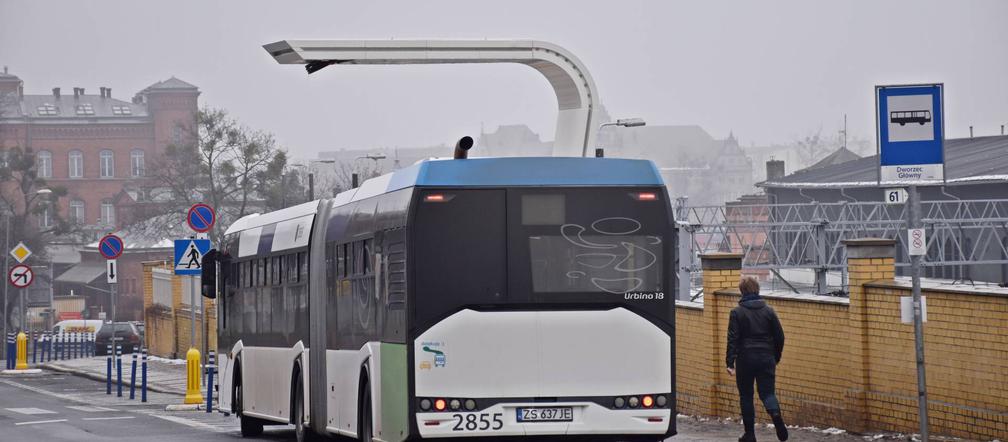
{"x":572,"y":262}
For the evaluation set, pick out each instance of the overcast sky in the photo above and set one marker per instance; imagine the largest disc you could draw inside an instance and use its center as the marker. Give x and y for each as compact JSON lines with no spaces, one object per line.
{"x":769,"y":71}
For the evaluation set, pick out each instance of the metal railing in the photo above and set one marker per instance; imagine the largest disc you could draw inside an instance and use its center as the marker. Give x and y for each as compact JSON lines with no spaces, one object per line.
{"x":960,"y":234}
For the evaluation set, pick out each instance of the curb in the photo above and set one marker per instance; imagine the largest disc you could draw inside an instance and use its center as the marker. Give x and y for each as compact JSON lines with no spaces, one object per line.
{"x":98,"y":377}
{"x":189,"y":407}
{"x":27,"y":371}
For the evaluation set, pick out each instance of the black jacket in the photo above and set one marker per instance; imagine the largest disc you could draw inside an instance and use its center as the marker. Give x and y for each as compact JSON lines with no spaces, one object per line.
{"x":753,"y":327}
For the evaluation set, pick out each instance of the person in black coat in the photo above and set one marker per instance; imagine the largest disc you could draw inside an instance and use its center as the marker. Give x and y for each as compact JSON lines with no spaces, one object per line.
{"x":755,"y":344}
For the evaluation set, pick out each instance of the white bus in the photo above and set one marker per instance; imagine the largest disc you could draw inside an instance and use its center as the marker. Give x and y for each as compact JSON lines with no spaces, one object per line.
{"x":457,"y":298}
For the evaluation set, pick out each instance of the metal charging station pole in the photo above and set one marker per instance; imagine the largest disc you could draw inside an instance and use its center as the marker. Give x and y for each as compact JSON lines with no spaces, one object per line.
{"x":914,"y":222}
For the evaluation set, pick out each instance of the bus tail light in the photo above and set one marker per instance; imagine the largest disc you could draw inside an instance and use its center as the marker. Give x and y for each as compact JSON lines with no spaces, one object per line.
{"x":619,"y":402}
{"x":455,"y":404}
{"x":440,"y":405}
{"x":470,"y":404}
{"x":425,"y":404}
{"x":438,"y":198}
{"x":634,"y":402}
{"x":645,"y":196}
{"x":661,"y":401}
{"x":654,"y":419}
{"x":647,"y":401}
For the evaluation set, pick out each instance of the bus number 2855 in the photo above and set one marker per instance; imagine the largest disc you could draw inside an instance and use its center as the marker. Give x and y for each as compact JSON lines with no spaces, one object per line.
{"x":478,"y":421}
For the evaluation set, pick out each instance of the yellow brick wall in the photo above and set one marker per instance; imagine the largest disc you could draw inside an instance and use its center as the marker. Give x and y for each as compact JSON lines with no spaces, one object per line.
{"x":693,"y":383}
{"x":851,"y":365}
{"x":966,"y":360}
{"x":167,"y":330}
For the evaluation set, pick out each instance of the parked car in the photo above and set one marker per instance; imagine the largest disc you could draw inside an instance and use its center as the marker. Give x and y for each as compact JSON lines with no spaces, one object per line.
{"x":78,"y":326}
{"x":125,"y":333}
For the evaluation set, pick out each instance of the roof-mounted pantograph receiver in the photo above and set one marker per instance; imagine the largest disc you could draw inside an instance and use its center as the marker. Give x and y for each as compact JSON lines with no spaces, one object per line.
{"x":577,"y":98}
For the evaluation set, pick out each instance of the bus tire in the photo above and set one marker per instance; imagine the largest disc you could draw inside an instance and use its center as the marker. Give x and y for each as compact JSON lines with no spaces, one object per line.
{"x":250,"y":426}
{"x":303,"y":432}
{"x":365,"y":428}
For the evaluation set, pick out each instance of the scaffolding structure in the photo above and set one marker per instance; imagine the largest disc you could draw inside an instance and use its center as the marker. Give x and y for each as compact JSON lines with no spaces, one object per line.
{"x":960,"y":234}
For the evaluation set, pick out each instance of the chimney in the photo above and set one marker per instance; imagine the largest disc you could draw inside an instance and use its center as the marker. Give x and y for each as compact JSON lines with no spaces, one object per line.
{"x":971,"y":131}
{"x":5,"y":70}
{"x":21,"y":93}
{"x":1002,"y":129}
{"x":101,"y":91}
{"x":55,"y":92}
{"x":76,"y":92}
{"x":108,"y":92}
{"x":774,"y":170}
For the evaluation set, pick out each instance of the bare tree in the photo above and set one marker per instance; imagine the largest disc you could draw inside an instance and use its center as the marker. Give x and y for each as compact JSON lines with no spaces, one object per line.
{"x":342,"y":179}
{"x":219,"y":162}
{"x":812,"y":148}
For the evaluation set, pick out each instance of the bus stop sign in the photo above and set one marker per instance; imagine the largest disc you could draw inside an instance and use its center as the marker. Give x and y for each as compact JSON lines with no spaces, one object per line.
{"x":911,"y":133}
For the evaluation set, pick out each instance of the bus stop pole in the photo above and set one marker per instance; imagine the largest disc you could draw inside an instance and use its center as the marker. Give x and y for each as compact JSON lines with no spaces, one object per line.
{"x":915,"y":269}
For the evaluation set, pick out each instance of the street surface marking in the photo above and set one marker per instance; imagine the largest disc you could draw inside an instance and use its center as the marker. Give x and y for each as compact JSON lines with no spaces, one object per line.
{"x":90,"y":408}
{"x":40,"y":422}
{"x":188,"y":423}
{"x":107,"y":418}
{"x":66,"y":397}
{"x":31,"y":411}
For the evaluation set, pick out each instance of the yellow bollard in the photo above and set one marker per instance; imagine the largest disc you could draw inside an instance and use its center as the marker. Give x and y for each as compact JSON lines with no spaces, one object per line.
{"x":22,"y":352}
{"x":193,"y":393}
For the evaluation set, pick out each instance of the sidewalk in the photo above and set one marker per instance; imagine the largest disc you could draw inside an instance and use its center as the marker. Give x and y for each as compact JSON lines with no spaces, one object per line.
{"x":162,"y":376}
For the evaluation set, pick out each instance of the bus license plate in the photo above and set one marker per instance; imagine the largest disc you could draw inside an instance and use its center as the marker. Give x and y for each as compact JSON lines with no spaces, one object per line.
{"x":546,"y":414}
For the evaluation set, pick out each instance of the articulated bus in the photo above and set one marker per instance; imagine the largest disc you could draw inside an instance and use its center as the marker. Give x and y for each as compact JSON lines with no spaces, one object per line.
{"x":456,"y":298}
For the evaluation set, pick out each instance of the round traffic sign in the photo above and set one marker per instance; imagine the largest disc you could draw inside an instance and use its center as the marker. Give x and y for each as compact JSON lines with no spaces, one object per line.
{"x":201,"y":217}
{"x":20,"y":276}
{"x":110,"y":246}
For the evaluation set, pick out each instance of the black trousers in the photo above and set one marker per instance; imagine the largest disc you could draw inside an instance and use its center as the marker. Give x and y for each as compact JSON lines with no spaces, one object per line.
{"x":761,"y":368}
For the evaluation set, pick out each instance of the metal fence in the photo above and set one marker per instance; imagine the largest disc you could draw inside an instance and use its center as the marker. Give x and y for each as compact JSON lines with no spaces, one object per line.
{"x":961,"y":235}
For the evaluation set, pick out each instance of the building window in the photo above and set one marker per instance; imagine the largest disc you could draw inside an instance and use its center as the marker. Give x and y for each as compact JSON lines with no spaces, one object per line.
{"x":176,"y":137}
{"x":107,"y":213}
{"x":107,"y":164}
{"x":45,"y":218}
{"x":44,"y":164}
{"x":77,"y":212}
{"x":85,"y":109}
{"x":48,"y":110}
{"x":137,"y":162}
{"x":121,"y":110}
{"x":76,"y":164}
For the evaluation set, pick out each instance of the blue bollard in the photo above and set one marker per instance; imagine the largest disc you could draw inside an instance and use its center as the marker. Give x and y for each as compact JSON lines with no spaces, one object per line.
{"x":108,"y":369}
{"x":118,"y":370}
{"x":210,"y":368}
{"x":9,"y":354}
{"x":133,"y":375}
{"x":143,"y":377}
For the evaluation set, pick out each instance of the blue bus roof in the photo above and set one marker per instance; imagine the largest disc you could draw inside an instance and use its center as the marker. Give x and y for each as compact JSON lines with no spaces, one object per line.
{"x":545,"y":171}
{"x":510,"y":171}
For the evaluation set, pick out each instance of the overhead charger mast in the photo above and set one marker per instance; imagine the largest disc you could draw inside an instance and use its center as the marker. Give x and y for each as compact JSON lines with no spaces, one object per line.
{"x":577,"y":98}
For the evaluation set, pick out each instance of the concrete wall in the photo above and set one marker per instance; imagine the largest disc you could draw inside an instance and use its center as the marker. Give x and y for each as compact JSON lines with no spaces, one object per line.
{"x":849,"y":362}
{"x":168,"y":327}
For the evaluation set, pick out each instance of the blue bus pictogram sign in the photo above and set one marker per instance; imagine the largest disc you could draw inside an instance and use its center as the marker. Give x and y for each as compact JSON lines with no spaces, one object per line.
{"x":911,"y":133}
{"x":201,"y":217}
{"x":110,"y":246}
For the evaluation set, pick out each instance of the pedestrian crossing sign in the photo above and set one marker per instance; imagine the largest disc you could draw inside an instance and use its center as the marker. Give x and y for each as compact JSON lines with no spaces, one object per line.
{"x":189,"y":255}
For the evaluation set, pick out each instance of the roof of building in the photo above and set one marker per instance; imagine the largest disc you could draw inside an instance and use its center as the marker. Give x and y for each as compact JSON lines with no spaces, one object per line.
{"x":171,"y":83}
{"x":82,"y":273}
{"x":48,"y":107}
{"x":967,"y":160}
{"x":839,"y":156}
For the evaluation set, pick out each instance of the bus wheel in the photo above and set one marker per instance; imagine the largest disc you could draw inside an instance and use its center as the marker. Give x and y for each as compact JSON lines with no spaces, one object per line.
{"x":365,"y":429}
{"x":303,"y":433}
{"x":250,"y":427}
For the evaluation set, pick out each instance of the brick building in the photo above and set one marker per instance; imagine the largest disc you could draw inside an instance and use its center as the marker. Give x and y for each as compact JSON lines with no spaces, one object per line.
{"x":100,"y":149}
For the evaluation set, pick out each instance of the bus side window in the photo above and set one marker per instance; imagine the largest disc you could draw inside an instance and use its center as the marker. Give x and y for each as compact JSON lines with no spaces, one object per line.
{"x":303,"y":266}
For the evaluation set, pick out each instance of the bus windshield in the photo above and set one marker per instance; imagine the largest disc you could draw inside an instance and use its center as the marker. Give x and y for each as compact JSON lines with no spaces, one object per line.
{"x":520,"y":246}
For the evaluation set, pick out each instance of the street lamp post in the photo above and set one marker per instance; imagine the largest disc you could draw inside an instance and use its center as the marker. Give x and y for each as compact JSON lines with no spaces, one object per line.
{"x":623,"y":122}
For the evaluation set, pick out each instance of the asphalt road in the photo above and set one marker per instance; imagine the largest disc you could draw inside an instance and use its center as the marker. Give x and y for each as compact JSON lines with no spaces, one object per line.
{"x":57,"y":407}
{"x":60,"y":407}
